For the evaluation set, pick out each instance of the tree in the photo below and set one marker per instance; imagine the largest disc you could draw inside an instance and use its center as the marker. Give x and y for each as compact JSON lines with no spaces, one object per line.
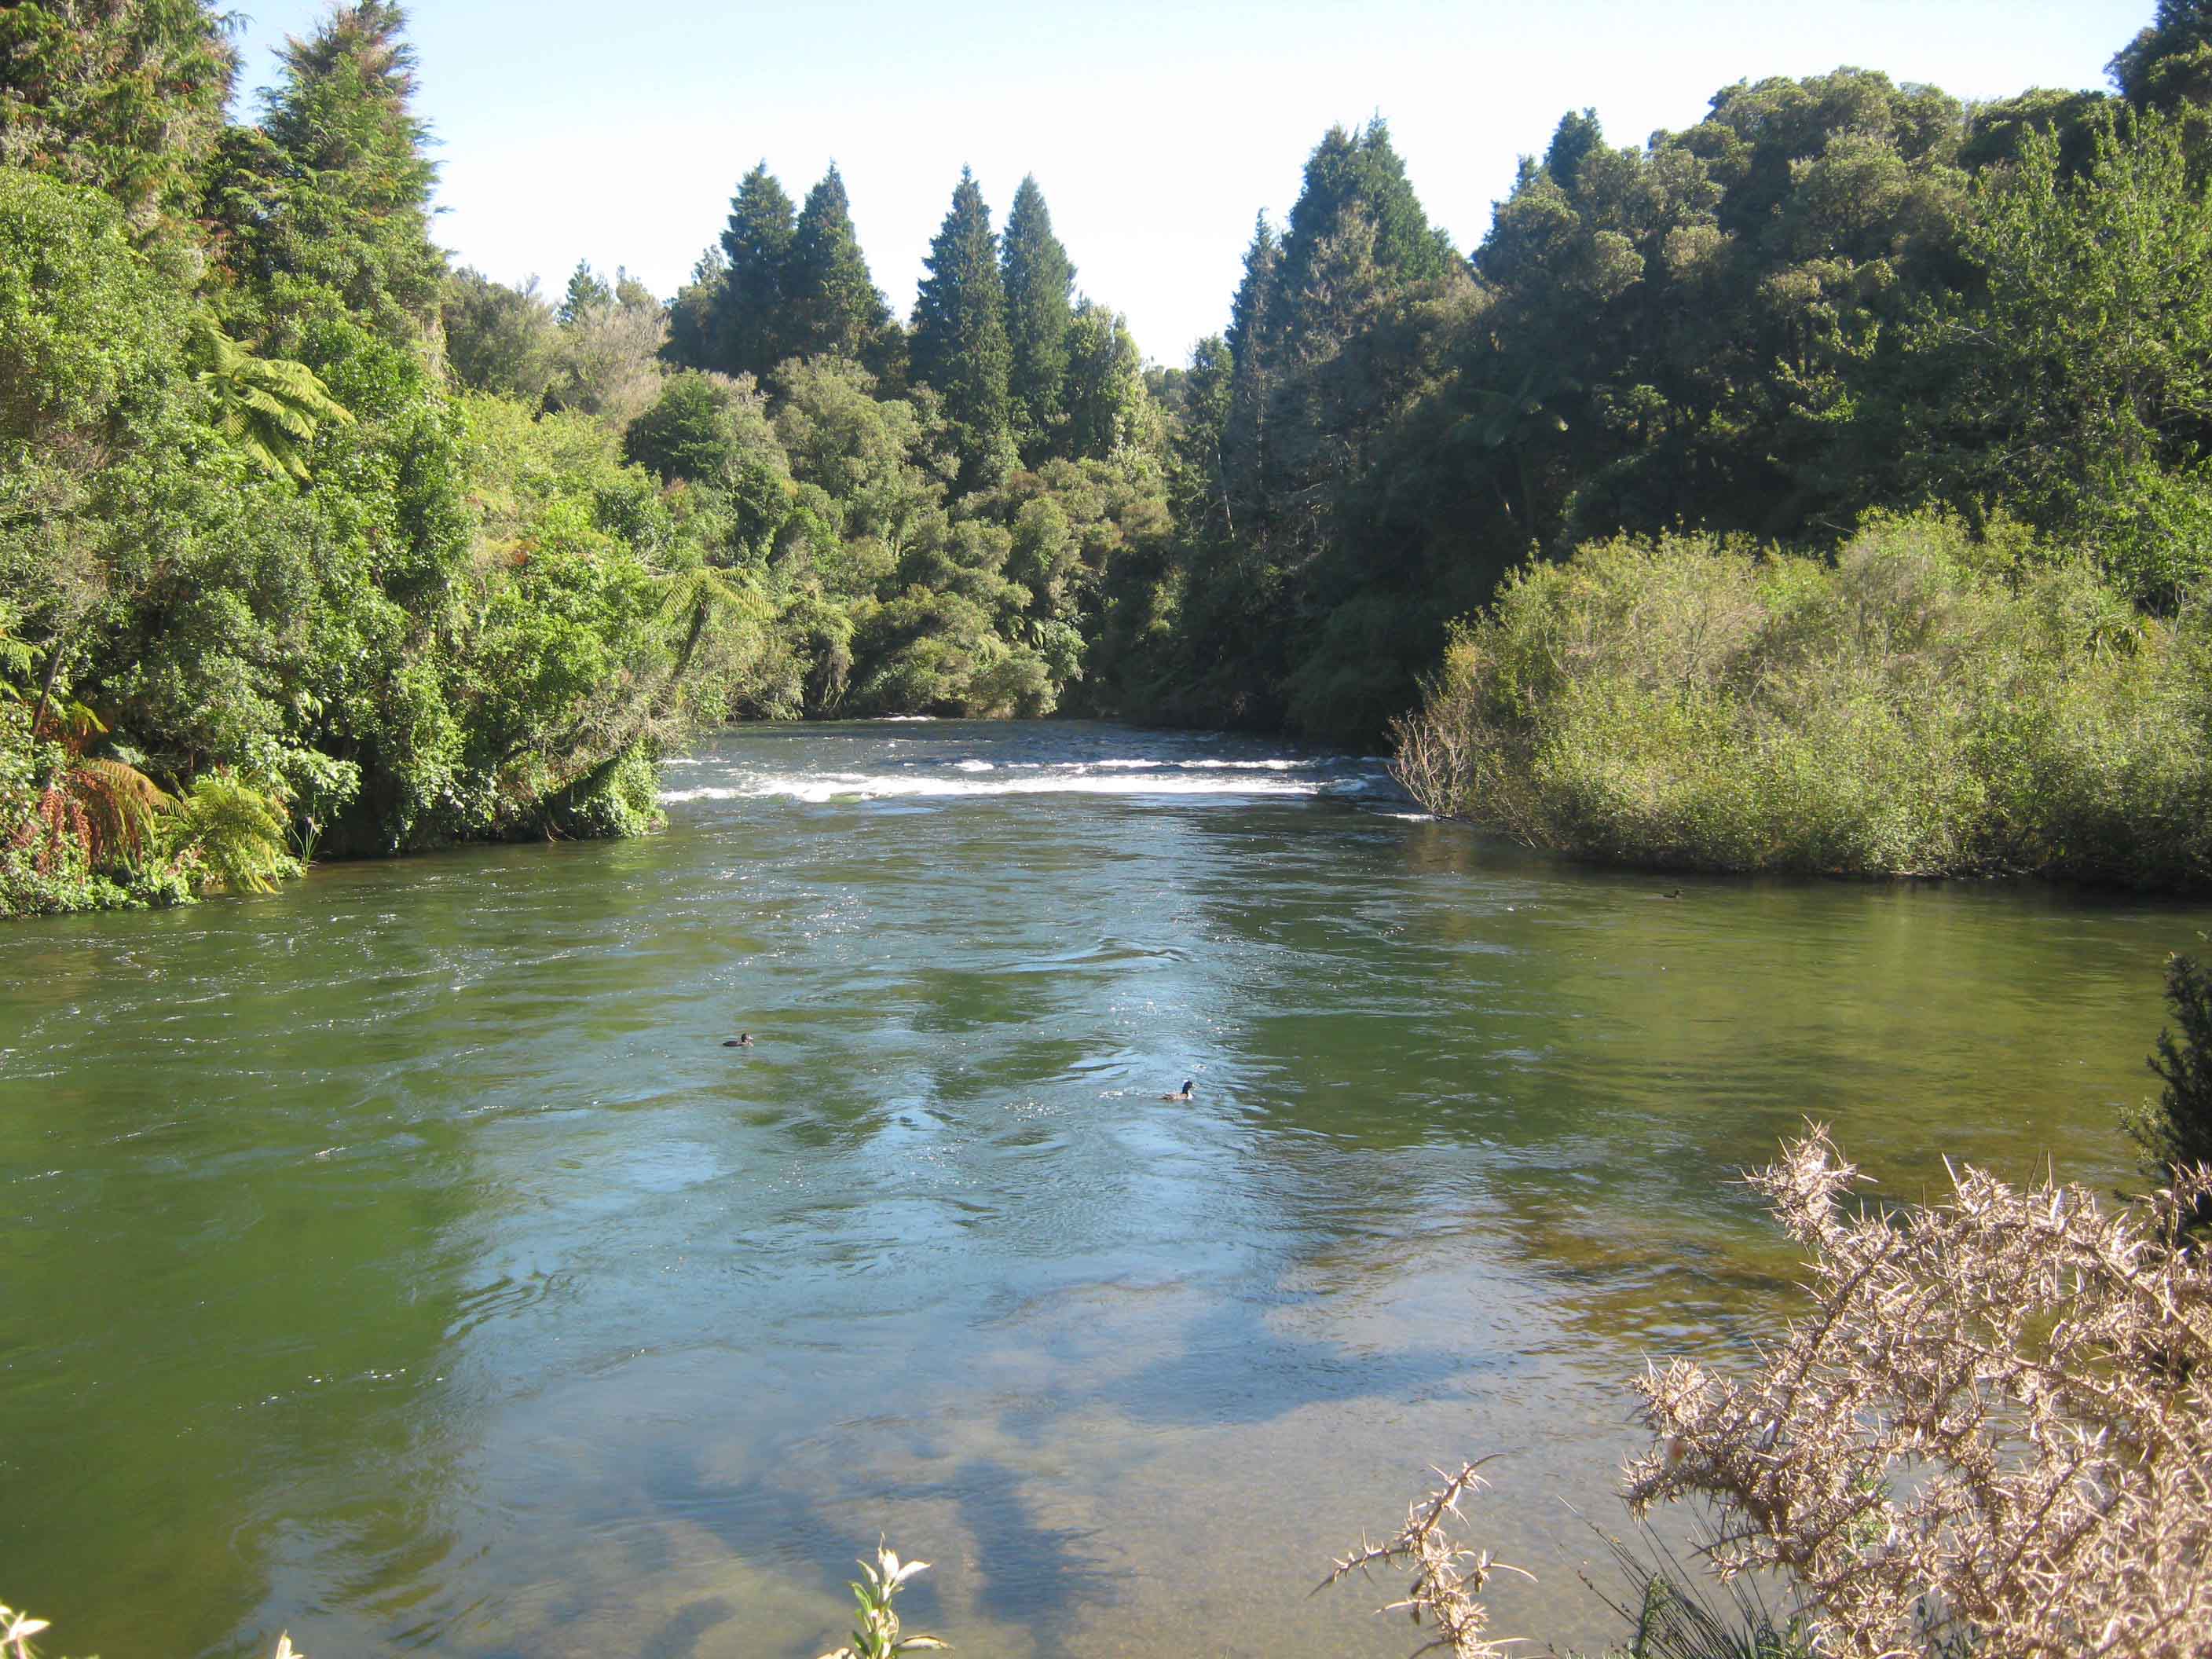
{"x":960,"y":344}
{"x":750,"y":324}
{"x":499,"y":339}
{"x":835,"y":307}
{"x":2175,"y":1134}
{"x":608,"y":362}
{"x":2169,"y":63}
{"x":587,"y":292}
{"x":2077,"y":386}
{"x":1107,"y":408}
{"x":692,"y":317}
{"x":1039,"y":282}
{"x":687,"y":433}
{"x":127,"y":97}
{"x":268,"y":407}
{"x":334,"y":187}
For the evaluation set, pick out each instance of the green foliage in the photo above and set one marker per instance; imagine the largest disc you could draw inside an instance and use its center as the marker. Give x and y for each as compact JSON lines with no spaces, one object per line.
{"x":960,"y":343}
{"x":749,"y":331}
{"x":268,"y":407}
{"x":834,"y":308}
{"x":498,"y":339}
{"x":2170,"y":63}
{"x":2176,"y":1132}
{"x":877,"y":1636}
{"x":329,"y":198}
{"x":88,"y":330}
{"x":1688,"y":703}
{"x":606,"y":354}
{"x":690,"y":431}
{"x":2077,"y":386}
{"x":126,"y":97}
{"x":587,"y":292}
{"x":1039,"y":283}
{"x":231,"y":837}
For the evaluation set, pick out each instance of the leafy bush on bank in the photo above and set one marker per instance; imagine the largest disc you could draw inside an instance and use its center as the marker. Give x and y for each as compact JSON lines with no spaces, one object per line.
{"x":1929,"y":704}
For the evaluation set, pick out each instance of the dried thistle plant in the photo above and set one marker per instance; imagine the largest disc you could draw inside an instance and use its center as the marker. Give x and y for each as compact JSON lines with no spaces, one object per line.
{"x":877,"y":1636}
{"x":1995,"y":1429}
{"x":1447,"y":1578}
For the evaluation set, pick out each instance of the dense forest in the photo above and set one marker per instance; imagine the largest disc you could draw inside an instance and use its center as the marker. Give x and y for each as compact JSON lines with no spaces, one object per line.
{"x":309,"y":541}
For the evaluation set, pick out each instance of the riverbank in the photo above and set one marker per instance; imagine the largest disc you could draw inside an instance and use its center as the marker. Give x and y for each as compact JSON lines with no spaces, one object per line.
{"x":1929,"y":704}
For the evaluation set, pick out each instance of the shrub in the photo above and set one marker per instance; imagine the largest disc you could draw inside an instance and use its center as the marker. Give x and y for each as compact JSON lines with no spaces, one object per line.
{"x":2176,"y":1132}
{"x":1908,"y":710}
{"x":1994,"y":1430}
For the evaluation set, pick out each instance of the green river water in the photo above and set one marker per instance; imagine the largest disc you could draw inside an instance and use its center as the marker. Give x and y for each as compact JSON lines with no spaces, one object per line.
{"x":400,"y":1260}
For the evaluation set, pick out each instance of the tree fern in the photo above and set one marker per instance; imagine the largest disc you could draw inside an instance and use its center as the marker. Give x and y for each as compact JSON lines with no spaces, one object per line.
{"x":237,"y":832}
{"x":269,"y":408}
{"x":121,"y":806}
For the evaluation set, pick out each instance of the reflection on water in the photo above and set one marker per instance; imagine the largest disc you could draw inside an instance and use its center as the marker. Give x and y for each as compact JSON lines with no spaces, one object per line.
{"x":402,"y":1260}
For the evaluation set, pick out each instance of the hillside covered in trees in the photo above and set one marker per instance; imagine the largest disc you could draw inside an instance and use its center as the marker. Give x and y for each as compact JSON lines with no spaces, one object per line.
{"x":310,"y":541}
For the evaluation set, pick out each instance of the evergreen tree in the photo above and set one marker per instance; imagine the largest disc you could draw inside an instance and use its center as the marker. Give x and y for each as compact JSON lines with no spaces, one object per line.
{"x":1039,"y":282}
{"x":498,"y":339}
{"x":835,"y":307}
{"x":960,"y":345}
{"x":127,"y":97}
{"x":1362,"y":170}
{"x":750,"y":325}
{"x":1254,"y":324}
{"x":334,"y":187}
{"x":587,"y":293}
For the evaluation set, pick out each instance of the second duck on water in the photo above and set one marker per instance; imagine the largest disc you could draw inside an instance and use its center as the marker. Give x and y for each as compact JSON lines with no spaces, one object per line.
{"x":1186,"y":1095}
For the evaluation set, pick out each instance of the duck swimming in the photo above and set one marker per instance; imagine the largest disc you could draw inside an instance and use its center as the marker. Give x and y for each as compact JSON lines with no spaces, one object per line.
{"x":743,"y":1039}
{"x":1187,"y":1087}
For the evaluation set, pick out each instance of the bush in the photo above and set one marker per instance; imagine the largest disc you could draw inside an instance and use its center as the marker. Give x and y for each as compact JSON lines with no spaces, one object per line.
{"x":1909,"y":710}
{"x":1994,"y":1430}
{"x":2176,"y":1133}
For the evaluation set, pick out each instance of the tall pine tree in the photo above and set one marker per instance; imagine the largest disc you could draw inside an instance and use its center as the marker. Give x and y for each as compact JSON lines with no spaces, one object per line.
{"x":334,"y":186}
{"x":960,"y":344}
{"x":835,"y":307}
{"x":1039,"y":283}
{"x":750,"y":322}
{"x":1255,"y":324}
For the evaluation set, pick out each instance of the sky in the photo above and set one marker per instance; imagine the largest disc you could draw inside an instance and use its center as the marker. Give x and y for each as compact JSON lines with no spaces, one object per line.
{"x":1158,"y":131}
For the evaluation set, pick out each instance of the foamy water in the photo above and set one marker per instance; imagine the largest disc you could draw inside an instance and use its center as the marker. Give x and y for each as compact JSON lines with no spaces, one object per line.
{"x":911,"y":766}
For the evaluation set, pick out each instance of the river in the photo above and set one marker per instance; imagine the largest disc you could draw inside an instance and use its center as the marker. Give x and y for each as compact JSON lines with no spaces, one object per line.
{"x":401,"y":1259}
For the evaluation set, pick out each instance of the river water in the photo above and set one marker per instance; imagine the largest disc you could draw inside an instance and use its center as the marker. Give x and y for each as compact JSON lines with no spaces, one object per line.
{"x":401,"y":1259}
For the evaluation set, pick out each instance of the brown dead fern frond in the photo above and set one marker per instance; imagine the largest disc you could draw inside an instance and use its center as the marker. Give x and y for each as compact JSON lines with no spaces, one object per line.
{"x":1447,"y":1578}
{"x":1996,"y":1425}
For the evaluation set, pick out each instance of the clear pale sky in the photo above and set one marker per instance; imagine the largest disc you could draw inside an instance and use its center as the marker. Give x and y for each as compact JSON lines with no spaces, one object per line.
{"x":1158,"y":131}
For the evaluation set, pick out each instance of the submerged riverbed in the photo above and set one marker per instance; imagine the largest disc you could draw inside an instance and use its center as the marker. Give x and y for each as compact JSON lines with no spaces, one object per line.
{"x":402,"y":1261}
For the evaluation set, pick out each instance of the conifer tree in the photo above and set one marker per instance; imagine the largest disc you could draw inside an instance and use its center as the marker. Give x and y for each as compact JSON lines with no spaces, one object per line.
{"x":334,"y":186}
{"x":1254,"y":325}
{"x":835,"y":307}
{"x":587,"y":292}
{"x":1361,"y":170}
{"x":128,"y":98}
{"x":960,"y":345}
{"x":750,"y":326}
{"x":1039,"y":282}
